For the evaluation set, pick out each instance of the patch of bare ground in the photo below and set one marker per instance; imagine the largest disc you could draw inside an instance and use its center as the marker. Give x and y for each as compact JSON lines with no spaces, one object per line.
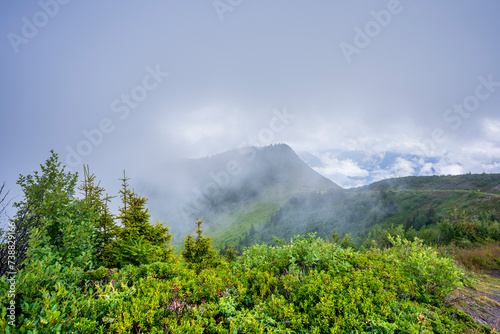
{"x":482,"y":302}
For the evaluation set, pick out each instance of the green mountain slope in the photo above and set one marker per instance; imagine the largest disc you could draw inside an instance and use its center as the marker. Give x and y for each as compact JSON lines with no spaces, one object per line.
{"x":469,"y":182}
{"x":413,"y":203}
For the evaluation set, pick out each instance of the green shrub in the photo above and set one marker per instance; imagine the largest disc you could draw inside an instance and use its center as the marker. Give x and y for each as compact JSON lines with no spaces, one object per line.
{"x":48,"y":298}
{"x":435,"y":276}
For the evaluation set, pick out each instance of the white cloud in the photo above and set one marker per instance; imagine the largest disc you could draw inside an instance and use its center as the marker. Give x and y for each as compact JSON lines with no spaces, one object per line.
{"x":426,"y":169}
{"x":493,"y":167}
{"x":341,"y":171}
{"x":347,"y":168}
{"x":454,"y":169}
{"x":492,"y":129}
{"x":403,"y":167}
{"x":196,"y":133}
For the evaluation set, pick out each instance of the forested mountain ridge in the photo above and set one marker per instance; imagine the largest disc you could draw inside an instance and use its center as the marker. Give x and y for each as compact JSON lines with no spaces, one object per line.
{"x":489,"y":183}
{"x":358,"y":212}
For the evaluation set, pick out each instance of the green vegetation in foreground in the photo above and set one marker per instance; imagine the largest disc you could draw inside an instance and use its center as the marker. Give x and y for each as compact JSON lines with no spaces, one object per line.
{"x":308,"y":285}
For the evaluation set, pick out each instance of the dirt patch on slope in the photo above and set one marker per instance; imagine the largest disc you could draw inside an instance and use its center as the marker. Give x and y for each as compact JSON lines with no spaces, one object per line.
{"x":483,"y":302}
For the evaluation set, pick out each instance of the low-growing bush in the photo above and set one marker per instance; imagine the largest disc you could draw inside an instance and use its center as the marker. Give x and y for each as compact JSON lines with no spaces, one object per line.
{"x":48,"y":298}
{"x":435,"y":276}
{"x":308,"y":285}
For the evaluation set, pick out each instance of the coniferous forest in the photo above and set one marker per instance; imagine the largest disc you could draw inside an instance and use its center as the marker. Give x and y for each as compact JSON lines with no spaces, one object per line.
{"x":70,"y":265}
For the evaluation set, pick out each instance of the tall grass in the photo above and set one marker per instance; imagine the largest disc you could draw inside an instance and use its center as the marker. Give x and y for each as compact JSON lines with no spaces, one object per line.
{"x":478,"y":257}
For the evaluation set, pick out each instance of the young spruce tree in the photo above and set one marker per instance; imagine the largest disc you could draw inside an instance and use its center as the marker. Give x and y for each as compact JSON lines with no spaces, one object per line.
{"x":198,"y":253}
{"x":105,"y":227}
{"x":138,"y":242}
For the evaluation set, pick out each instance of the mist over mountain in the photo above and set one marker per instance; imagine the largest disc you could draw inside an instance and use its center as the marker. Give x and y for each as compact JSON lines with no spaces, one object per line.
{"x":225,"y":186}
{"x":252,"y":169}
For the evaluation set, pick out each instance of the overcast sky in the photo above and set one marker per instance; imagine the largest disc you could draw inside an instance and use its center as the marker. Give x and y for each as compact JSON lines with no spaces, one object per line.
{"x":135,"y":84}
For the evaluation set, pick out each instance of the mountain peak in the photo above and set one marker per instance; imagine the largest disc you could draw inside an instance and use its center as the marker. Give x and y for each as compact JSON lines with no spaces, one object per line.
{"x":260,"y":167}
{"x":278,"y":147}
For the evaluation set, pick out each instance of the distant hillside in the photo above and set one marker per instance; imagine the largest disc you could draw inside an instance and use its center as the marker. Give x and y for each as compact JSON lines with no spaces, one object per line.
{"x":413,"y":203}
{"x":483,"y":182}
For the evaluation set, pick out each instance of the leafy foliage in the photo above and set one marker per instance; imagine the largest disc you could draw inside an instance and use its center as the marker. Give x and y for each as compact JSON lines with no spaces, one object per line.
{"x":48,"y":297}
{"x":307,"y":285}
{"x":435,"y":276}
{"x":64,"y":223}
{"x":459,"y":227}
